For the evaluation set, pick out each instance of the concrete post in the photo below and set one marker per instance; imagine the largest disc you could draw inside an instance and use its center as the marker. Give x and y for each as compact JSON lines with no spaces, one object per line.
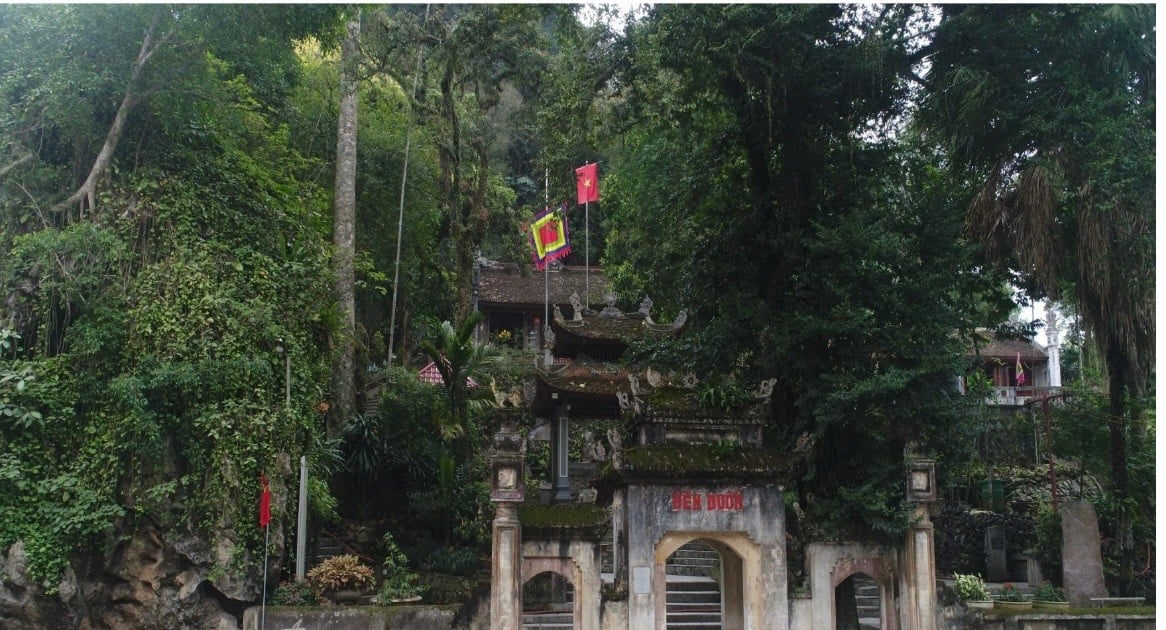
{"x":560,"y":481}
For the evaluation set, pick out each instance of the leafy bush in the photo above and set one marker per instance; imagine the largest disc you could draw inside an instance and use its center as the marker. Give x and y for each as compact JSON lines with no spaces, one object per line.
{"x":970,"y":588}
{"x":459,"y":561}
{"x":297,"y":593}
{"x":341,"y":573}
{"x":400,"y":582}
{"x":1046,"y":592}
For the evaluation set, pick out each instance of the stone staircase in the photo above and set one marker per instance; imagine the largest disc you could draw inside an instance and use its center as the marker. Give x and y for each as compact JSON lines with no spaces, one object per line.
{"x":693,"y":593}
{"x":554,"y":618}
{"x":866,"y":597}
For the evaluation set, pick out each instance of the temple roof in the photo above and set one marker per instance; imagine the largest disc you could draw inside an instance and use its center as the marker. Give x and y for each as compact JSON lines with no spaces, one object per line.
{"x":1008,"y":349}
{"x":503,"y":284}
{"x":605,"y":335}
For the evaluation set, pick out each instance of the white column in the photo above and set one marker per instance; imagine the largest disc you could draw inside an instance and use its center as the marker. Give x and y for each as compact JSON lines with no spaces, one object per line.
{"x":1054,"y":347}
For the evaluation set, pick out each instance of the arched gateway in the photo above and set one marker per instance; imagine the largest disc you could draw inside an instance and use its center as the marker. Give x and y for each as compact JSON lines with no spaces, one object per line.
{"x":677,"y":518}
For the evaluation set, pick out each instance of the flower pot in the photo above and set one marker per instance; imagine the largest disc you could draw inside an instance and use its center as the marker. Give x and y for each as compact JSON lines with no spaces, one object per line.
{"x":345,"y":596}
{"x":1050,"y":605}
{"x":405,"y":600}
{"x":982,"y":604}
{"x":1003,"y":605}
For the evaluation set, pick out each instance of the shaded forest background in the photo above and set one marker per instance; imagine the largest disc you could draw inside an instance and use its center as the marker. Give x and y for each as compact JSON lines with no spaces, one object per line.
{"x":842,"y":195}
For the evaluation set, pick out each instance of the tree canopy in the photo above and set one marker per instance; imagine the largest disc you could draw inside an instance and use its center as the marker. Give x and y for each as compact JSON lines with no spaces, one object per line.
{"x":840,"y":194}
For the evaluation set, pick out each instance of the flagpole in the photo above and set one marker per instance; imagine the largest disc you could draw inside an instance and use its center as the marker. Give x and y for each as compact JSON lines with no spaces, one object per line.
{"x":263,"y":605}
{"x":587,"y":253}
{"x":546,"y":265}
{"x":401,"y":209}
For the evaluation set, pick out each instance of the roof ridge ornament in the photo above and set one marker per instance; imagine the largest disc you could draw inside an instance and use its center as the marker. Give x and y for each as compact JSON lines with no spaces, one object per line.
{"x":653,"y":378}
{"x":646,"y":310}
{"x":765,"y":388}
{"x":576,"y":306}
{"x":610,"y":310}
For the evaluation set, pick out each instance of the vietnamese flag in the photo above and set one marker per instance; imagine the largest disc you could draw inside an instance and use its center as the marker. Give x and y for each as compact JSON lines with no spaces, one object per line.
{"x":587,"y":182}
{"x":264,"y":502}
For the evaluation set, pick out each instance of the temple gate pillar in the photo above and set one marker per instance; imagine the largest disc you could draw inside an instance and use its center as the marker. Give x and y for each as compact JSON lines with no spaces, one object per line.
{"x":919,"y":601}
{"x":507,"y":490}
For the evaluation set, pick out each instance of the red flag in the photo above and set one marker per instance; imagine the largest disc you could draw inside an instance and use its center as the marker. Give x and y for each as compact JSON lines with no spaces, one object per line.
{"x":264,"y":502}
{"x":1020,"y":378}
{"x":587,"y":182}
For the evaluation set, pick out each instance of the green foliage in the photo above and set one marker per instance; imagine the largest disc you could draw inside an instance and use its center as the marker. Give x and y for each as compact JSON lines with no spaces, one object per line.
{"x":322,"y":504}
{"x":970,"y":587}
{"x":724,"y":394}
{"x":451,"y":561}
{"x":297,"y":593}
{"x":1046,"y":592}
{"x":400,"y":582}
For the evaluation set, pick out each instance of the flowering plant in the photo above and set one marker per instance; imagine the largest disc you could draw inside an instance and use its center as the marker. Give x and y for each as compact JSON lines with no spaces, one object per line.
{"x":1011,"y":594}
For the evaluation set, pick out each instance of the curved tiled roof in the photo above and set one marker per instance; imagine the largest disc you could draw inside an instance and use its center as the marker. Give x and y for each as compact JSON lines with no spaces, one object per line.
{"x":503,"y":284}
{"x":1009,"y":348}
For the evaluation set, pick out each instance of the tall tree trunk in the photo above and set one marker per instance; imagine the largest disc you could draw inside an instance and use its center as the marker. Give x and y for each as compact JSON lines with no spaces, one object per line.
{"x":344,"y":234}
{"x":87,"y":193}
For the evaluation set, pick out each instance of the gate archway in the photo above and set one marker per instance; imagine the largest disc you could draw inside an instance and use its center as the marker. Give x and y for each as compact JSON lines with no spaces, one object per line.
{"x":548,"y":599}
{"x":714,"y":593}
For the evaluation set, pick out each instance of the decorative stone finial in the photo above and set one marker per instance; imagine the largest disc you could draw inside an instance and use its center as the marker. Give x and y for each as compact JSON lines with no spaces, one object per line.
{"x":610,"y":310}
{"x":646,"y":309}
{"x":577,"y":307}
{"x":653,"y":377}
{"x":635,"y":382}
{"x":625,"y":402}
{"x":681,"y":318}
{"x":765,"y":388}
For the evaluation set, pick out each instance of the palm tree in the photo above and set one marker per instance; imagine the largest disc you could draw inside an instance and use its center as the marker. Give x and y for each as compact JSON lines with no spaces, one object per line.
{"x":457,"y":357}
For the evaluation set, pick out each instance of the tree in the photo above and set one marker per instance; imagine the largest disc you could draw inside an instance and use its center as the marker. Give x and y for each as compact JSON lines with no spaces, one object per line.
{"x":472,"y":54}
{"x":457,"y":357}
{"x":129,"y":56}
{"x":810,"y":248}
{"x":1051,"y":111}
{"x":344,"y":230}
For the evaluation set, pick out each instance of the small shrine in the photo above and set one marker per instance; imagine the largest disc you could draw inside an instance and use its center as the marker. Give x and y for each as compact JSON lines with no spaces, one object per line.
{"x":669,"y":511}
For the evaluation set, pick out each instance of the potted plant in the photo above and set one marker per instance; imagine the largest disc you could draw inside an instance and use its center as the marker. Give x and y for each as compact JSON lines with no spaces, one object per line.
{"x":343,"y":579}
{"x":971,"y":591}
{"x":1011,"y":598}
{"x":1048,"y":596}
{"x":400,"y":583}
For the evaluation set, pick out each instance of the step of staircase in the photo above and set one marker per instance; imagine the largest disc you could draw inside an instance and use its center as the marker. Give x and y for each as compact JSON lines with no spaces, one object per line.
{"x":692,"y":602}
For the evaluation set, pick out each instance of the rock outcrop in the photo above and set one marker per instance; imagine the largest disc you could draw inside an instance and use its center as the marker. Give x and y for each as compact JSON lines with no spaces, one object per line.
{"x":146,"y":583}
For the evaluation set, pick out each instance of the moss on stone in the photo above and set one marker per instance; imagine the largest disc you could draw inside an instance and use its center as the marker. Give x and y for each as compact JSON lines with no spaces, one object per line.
{"x":721,"y":460}
{"x":562,"y":515}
